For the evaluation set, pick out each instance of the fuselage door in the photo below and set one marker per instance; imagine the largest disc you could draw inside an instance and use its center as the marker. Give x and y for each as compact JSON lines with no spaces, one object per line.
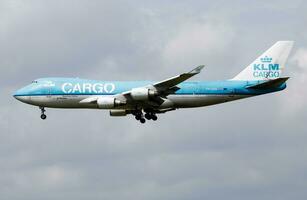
{"x":193,"y":87}
{"x":48,"y":88}
{"x":49,"y":92}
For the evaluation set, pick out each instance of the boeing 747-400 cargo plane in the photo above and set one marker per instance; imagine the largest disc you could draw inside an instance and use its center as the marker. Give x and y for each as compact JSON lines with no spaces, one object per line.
{"x":146,"y":99}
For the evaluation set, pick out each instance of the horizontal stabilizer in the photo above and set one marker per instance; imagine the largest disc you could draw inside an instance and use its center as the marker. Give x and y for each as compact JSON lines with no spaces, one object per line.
{"x":269,"y":84}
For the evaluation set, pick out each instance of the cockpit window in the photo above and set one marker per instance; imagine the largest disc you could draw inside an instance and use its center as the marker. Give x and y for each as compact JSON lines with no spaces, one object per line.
{"x":34,"y":81}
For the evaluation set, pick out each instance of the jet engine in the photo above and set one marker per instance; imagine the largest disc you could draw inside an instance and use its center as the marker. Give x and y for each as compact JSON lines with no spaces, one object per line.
{"x":109,"y":102}
{"x":142,"y":94}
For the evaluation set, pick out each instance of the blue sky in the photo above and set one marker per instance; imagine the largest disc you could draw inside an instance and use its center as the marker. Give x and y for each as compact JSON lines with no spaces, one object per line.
{"x":254,"y":148}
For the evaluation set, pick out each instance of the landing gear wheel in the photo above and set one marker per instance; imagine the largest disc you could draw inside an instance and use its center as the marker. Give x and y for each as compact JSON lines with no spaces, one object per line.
{"x":138,"y":114}
{"x":154,"y":117}
{"x":142,"y":120}
{"x":137,"y":117}
{"x":148,"y":116}
{"x":43,"y":116}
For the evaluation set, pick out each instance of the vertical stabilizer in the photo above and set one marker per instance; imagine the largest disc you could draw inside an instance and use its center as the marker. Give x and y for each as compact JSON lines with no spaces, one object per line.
{"x":269,"y":65}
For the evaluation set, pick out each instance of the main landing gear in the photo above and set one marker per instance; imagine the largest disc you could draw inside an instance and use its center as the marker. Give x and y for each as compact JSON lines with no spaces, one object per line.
{"x":43,"y":116}
{"x":151,"y":115}
{"x":141,"y":117}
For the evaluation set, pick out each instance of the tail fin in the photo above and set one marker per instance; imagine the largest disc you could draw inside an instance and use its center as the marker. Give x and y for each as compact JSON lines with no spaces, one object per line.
{"x":269,"y":65}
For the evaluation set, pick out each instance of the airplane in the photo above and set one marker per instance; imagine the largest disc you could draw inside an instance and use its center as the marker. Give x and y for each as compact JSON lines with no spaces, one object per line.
{"x":145,"y":99}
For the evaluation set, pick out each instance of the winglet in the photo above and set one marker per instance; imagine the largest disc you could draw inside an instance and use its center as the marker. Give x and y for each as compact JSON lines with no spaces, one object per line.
{"x":197,"y":70}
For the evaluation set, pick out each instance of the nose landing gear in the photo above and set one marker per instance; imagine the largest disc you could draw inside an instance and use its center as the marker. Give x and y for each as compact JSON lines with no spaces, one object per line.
{"x":43,"y":116}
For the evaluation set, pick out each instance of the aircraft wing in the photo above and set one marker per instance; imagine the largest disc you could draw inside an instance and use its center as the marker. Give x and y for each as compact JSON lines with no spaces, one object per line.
{"x":157,"y":92}
{"x":151,"y":95}
{"x":170,"y":85}
{"x":171,"y":82}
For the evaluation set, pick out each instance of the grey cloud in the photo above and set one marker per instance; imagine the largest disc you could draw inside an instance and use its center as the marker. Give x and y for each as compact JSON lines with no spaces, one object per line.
{"x":253,"y":148}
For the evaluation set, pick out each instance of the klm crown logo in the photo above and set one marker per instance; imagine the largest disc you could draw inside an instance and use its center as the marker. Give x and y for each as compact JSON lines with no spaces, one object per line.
{"x":266,"y":59}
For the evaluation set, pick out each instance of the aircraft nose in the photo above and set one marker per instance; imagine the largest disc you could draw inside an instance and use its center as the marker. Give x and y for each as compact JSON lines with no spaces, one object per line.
{"x":20,"y":95}
{"x":22,"y":98}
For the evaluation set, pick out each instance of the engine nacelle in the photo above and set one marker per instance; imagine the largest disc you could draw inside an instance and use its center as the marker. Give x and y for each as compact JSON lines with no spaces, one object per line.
{"x":108,"y":102}
{"x":142,"y":94}
{"x":118,"y":113}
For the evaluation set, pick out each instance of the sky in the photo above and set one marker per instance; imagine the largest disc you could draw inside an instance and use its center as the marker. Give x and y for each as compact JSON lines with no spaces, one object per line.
{"x":248,"y":149}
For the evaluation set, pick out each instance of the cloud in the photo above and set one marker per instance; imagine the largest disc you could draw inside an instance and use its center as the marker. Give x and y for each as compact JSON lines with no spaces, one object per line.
{"x":298,"y":70}
{"x":246,"y":148}
{"x":195,"y":41}
{"x":55,"y":42}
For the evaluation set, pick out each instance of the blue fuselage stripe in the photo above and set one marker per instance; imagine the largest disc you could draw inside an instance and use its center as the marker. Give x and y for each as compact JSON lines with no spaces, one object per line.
{"x":73,"y":87}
